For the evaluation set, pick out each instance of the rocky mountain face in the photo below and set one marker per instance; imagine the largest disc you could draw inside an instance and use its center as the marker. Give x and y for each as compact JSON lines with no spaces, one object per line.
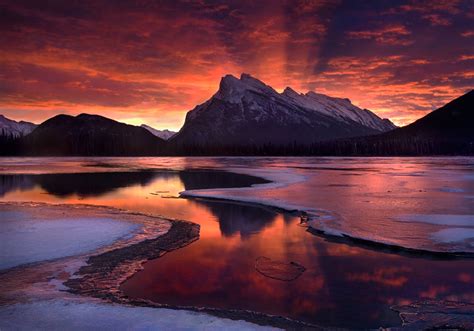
{"x":163,"y":134}
{"x":247,"y":112}
{"x":15,"y":129}
{"x":90,"y":135}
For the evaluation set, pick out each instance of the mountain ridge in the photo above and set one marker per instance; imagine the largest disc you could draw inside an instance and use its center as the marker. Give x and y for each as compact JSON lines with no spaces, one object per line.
{"x":240,"y":118}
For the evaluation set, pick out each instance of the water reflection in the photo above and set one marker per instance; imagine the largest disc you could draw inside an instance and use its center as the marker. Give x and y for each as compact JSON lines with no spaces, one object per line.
{"x":99,"y":183}
{"x":201,"y":179}
{"x":237,"y":219}
{"x":80,"y":184}
{"x":343,"y":286}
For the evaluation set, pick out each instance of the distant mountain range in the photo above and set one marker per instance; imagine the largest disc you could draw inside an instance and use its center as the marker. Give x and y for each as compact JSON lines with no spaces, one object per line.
{"x":247,"y":117}
{"x":246,"y":112}
{"x":15,"y":129}
{"x":163,"y":134}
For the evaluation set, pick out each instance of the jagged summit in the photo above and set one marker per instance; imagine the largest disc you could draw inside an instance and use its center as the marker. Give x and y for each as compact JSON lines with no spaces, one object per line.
{"x":232,"y":89}
{"x":288,"y":91}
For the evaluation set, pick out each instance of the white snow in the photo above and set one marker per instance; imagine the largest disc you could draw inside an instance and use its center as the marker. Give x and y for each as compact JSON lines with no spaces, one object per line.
{"x":71,"y":315}
{"x":24,"y":240}
{"x":437,"y":219}
{"x":453,"y":235}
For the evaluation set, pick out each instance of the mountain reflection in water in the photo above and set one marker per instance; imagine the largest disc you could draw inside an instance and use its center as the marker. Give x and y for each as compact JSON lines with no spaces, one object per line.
{"x":96,"y":184}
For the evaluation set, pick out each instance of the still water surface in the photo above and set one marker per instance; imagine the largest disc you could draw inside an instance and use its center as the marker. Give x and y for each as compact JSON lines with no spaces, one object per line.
{"x":343,"y":285}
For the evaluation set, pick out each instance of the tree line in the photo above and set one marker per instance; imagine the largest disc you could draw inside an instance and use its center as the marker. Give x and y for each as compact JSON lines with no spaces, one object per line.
{"x":362,"y":146}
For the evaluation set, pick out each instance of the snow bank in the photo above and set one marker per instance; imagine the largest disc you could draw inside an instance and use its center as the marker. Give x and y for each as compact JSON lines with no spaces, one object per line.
{"x":26,"y":240}
{"x":70,"y":315}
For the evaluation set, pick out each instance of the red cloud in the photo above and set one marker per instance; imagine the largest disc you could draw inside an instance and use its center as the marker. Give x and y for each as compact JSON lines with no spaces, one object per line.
{"x":151,"y":62}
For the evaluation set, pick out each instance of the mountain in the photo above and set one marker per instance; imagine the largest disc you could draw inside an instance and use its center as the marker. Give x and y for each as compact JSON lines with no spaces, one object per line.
{"x":90,"y":135}
{"x":163,"y":134}
{"x":246,"y":112}
{"x":15,"y":129}
{"x":448,"y":130}
{"x":453,"y":121}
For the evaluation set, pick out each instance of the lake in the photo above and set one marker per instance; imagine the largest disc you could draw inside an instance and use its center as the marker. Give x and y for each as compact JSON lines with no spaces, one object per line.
{"x":417,"y":213}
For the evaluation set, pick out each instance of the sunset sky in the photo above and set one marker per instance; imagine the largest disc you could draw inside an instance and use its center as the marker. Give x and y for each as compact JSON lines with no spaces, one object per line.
{"x":152,"y":61}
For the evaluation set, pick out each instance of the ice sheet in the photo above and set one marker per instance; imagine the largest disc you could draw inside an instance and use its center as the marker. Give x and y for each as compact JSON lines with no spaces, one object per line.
{"x":65,"y":315}
{"x":453,"y":235}
{"x":451,"y":220}
{"x":25,"y":240}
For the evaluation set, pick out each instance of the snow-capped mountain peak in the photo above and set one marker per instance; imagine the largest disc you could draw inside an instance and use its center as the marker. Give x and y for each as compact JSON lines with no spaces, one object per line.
{"x":235,"y":90}
{"x":163,"y":134}
{"x":13,"y":128}
{"x":246,"y":111}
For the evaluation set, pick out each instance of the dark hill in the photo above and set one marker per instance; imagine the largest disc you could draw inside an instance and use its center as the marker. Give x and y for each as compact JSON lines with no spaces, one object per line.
{"x":90,"y":135}
{"x":448,"y":130}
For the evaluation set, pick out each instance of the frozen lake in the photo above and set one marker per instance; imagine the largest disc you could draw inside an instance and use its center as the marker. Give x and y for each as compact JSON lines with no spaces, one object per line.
{"x":419,"y":207}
